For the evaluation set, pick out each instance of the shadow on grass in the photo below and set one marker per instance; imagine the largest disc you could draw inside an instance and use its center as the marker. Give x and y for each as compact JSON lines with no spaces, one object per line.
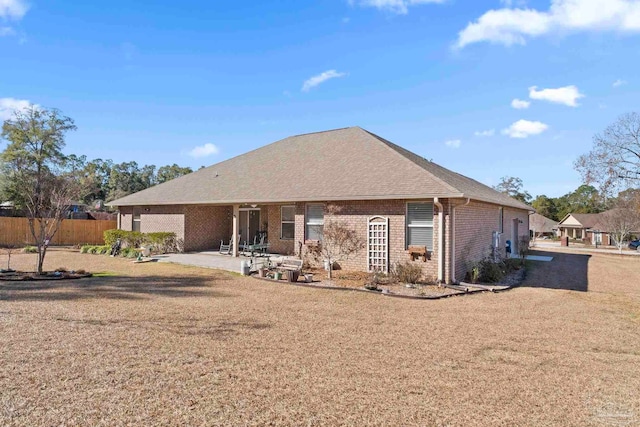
{"x":566,"y":271}
{"x":111,"y":287}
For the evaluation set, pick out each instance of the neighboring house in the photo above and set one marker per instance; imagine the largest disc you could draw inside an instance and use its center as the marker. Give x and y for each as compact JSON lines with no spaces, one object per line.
{"x":585,"y":227}
{"x":540,"y":226}
{"x":389,"y":195}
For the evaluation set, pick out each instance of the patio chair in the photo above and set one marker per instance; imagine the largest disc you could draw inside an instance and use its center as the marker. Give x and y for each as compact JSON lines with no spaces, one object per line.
{"x":226,"y":249}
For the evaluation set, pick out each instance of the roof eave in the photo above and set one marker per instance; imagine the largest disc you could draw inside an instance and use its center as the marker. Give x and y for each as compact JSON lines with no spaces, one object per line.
{"x":291,"y":200}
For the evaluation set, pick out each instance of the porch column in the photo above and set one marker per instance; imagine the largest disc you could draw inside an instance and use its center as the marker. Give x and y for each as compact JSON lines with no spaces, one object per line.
{"x":234,"y":238}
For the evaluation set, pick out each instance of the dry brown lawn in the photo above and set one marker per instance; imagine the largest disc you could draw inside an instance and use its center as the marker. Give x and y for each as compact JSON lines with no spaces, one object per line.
{"x":161,"y":344}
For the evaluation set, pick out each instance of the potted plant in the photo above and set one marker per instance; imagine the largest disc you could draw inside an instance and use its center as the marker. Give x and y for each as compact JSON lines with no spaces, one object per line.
{"x":262,"y":271}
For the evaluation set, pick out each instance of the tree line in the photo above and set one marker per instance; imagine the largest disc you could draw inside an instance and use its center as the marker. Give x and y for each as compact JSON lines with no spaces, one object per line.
{"x":107,"y":181}
{"x":610,"y":172}
{"x":584,"y":199}
{"x":39,"y":179}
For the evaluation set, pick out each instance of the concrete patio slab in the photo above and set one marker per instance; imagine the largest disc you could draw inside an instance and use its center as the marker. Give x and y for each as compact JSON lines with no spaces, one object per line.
{"x":213,"y":259}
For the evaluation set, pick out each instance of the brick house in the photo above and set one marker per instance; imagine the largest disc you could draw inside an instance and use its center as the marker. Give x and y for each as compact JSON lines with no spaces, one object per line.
{"x":590,"y":228}
{"x":380,"y":189}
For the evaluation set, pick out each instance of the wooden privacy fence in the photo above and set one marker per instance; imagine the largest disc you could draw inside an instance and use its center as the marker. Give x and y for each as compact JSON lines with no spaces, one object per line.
{"x":15,"y":232}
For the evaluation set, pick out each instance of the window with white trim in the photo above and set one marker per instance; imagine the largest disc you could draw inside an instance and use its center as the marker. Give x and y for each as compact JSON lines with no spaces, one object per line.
{"x":287,"y":222}
{"x":420,"y":224}
{"x":314,"y":221}
{"x":135,"y":226}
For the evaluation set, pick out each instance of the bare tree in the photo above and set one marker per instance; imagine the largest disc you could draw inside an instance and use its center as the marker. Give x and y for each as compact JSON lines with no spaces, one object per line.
{"x":40,"y":180}
{"x":614,"y":161}
{"x":9,"y":250}
{"x":621,"y":221}
{"x":537,"y":224}
{"x":339,"y":242}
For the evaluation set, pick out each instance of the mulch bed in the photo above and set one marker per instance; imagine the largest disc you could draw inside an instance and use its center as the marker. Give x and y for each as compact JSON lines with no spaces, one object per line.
{"x":354,"y":280}
{"x":17,"y":276}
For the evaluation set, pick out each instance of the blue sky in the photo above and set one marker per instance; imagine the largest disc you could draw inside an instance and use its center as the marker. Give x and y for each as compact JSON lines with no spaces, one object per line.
{"x":196,"y":82}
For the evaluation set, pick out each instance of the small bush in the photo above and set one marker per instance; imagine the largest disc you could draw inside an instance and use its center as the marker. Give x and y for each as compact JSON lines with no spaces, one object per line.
{"x":81,"y":271}
{"x":163,"y":241}
{"x":61,"y":269}
{"x":133,"y":254}
{"x":491,"y":271}
{"x":407,"y":272}
{"x":93,"y":249}
{"x":29,"y":250}
{"x":102,"y":250}
{"x":111,"y":236}
{"x":85,"y":249}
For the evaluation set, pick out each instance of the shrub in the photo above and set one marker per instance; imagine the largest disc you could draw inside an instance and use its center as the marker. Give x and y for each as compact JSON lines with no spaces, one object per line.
{"x":92,"y":249}
{"x":406,"y":272}
{"x":81,"y":271}
{"x":110,"y":236}
{"x":61,"y":269}
{"x":163,"y":241}
{"x":491,"y":271}
{"x":104,"y":249}
{"x":84,"y":249}
{"x":29,"y":250}
{"x":133,"y":254}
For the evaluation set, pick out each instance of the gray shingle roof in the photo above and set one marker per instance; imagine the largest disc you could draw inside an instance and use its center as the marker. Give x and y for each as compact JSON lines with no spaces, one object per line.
{"x":586,"y":220}
{"x":341,"y":164}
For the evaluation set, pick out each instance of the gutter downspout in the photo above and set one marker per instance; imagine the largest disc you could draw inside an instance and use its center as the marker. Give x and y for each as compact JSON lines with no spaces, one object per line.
{"x":453,"y":239}
{"x":440,"y":239}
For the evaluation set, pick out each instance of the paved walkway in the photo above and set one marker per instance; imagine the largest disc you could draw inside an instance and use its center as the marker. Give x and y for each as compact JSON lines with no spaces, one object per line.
{"x":542,"y":245}
{"x":213,"y":259}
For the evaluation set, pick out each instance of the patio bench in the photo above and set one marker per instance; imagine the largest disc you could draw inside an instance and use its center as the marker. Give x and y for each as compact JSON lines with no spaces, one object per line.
{"x":291,"y":264}
{"x":293,"y":267}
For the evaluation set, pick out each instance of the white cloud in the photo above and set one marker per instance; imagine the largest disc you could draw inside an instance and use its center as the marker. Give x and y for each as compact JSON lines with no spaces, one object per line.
{"x":619,"y":83}
{"x":524,"y":129}
{"x":321,"y":78}
{"x":489,"y":132}
{"x":519,"y":104}
{"x":9,"y":105}
{"x":13,"y":9}
{"x":400,"y":7}
{"x":567,"y":95}
{"x":7,"y":31}
{"x":453,"y":143}
{"x":514,"y":26}
{"x":204,"y":150}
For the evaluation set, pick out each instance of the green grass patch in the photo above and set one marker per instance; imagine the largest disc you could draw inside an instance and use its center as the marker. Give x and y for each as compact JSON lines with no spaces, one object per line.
{"x":105,"y":274}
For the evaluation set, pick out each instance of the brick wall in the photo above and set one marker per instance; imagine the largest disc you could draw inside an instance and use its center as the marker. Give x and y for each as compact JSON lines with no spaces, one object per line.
{"x":356,"y":214}
{"x":276,"y":243}
{"x":162,"y":218}
{"x":474,"y":227}
{"x":126,"y":218}
{"x":206,"y":226}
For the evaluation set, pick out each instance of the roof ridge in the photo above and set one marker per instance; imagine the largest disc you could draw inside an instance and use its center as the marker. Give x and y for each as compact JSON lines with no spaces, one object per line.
{"x":323,"y":131}
{"x":401,"y":151}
